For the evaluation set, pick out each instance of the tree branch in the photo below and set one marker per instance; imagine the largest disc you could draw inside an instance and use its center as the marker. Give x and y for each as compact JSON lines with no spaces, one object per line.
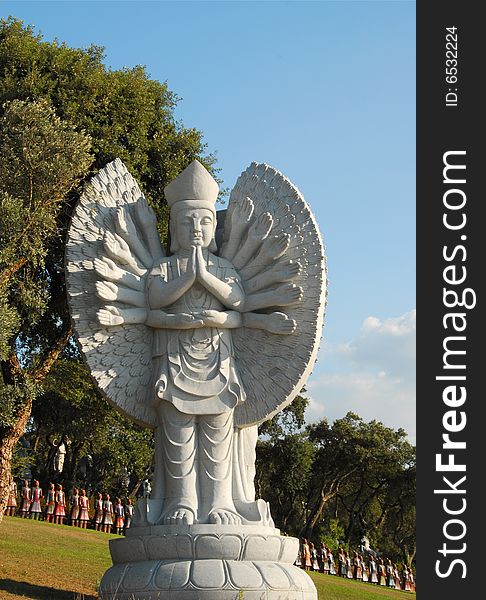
{"x":7,"y":273}
{"x":43,"y":369}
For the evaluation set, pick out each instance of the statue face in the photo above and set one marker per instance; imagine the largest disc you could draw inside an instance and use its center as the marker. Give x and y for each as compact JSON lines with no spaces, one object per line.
{"x":194,"y":227}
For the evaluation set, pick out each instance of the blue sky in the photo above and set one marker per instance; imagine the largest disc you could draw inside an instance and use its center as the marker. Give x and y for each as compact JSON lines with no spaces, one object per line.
{"x":324,"y":92}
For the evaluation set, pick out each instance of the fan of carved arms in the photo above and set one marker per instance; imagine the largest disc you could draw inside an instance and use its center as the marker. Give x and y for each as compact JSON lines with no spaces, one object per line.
{"x":271,"y":238}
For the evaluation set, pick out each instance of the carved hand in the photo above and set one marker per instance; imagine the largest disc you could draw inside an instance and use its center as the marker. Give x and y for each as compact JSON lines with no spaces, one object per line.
{"x":261,"y":227}
{"x":119,"y":250}
{"x":109,"y":316}
{"x":187,"y":321}
{"x":192,"y":269}
{"x":109,"y":270}
{"x":242,"y":214}
{"x":118,"y":247}
{"x":273,"y":247}
{"x":200,"y":264}
{"x":213,"y":318}
{"x":286,"y":271}
{"x":145,"y":214}
{"x":110,"y":291}
{"x":107,"y":290}
{"x":287,"y":294}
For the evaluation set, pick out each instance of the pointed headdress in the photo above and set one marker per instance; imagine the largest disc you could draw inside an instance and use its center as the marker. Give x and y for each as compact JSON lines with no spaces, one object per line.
{"x":194,"y":187}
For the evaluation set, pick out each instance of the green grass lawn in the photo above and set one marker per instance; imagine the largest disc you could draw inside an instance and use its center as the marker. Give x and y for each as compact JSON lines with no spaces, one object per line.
{"x":52,"y":562}
{"x":41,"y":561}
{"x":336,"y":588}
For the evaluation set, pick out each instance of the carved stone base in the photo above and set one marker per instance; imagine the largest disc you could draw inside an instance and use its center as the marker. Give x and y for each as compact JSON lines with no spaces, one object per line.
{"x":205,"y":562}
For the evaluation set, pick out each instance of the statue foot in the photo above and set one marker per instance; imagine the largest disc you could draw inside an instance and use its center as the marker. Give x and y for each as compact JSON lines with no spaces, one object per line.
{"x":180,"y":515}
{"x":222,"y":516}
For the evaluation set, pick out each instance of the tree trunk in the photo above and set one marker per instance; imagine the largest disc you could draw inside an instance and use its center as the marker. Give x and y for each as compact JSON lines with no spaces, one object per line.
{"x":72,"y":467}
{"x":317,"y":512}
{"x":8,"y":442}
{"x":135,"y":488}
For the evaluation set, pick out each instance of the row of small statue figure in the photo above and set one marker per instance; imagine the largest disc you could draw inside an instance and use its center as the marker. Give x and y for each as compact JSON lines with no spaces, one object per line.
{"x":107,"y":515}
{"x":352,"y":565}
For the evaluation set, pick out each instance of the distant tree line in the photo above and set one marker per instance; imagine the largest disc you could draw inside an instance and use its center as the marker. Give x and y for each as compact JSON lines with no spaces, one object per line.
{"x":337,"y":483}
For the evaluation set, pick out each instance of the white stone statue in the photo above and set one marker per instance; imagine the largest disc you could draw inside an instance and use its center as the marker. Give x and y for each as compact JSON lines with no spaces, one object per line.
{"x":59,"y":456}
{"x":204,"y":343}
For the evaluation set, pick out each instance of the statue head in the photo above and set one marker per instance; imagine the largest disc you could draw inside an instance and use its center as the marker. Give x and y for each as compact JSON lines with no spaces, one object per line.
{"x":191,"y":197}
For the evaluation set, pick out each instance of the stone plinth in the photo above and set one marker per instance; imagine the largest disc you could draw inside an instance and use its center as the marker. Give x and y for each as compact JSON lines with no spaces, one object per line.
{"x":205,"y":562}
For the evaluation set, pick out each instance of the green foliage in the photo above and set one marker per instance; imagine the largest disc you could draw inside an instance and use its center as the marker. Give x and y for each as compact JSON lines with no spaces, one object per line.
{"x":41,"y":160}
{"x":355,"y":463}
{"x":332,"y":534}
{"x":397,"y":536}
{"x":341,"y":481}
{"x":9,"y":319}
{"x":283,"y":474}
{"x":290,"y":420}
{"x":11,"y":397}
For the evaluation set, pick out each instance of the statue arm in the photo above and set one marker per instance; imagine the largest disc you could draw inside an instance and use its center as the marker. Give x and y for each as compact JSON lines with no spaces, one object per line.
{"x":238,"y":222}
{"x":110,"y":316}
{"x":277,"y":273}
{"x":230,"y":294}
{"x":285,"y":295}
{"x":273,"y":247}
{"x":164,"y":293}
{"x":257,"y":232}
{"x":148,"y":221}
{"x":159,"y":319}
{"x":275,"y":322}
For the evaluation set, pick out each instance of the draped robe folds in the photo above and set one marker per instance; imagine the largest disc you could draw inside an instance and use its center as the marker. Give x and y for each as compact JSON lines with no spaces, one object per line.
{"x":197,"y":445}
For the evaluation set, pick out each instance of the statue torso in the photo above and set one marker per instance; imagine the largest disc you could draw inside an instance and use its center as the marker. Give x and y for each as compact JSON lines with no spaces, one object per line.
{"x":198,"y":363}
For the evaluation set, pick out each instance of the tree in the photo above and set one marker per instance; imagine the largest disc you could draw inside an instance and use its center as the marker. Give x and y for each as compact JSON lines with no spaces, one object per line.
{"x":354,"y":462}
{"x":76,"y":116}
{"x":283,"y":476}
{"x":290,"y":420}
{"x":396,"y":531}
{"x":41,"y":160}
{"x":283,"y":465}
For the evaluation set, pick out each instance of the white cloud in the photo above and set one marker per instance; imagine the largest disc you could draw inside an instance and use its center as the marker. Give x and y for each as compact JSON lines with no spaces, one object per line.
{"x":372,"y":375}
